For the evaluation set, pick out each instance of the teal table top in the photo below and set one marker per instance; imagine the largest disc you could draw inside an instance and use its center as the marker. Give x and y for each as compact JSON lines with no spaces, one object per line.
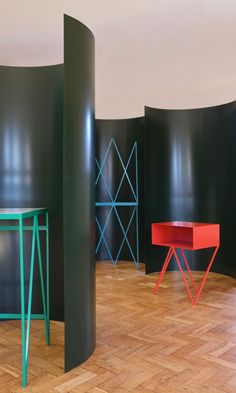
{"x":16,"y":213}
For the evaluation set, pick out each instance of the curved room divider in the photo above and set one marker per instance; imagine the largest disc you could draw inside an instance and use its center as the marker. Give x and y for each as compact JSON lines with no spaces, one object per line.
{"x":79,"y":201}
{"x":31,"y":132}
{"x":190,"y":158}
{"x":31,"y":175}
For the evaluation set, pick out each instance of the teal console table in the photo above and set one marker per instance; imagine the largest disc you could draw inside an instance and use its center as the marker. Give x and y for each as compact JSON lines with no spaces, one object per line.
{"x":18,"y":216}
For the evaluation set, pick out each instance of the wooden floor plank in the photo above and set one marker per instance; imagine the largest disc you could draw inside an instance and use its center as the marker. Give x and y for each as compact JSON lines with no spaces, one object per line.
{"x":145,"y":343}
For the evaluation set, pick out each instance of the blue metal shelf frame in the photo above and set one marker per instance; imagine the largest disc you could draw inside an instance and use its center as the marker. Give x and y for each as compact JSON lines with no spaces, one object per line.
{"x":113,"y":204}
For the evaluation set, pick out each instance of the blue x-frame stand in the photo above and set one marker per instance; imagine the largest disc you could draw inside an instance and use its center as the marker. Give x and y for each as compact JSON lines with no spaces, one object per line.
{"x":113,"y":203}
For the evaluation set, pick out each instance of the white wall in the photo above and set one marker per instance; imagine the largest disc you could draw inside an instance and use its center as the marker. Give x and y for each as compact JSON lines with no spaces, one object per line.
{"x":160,"y":53}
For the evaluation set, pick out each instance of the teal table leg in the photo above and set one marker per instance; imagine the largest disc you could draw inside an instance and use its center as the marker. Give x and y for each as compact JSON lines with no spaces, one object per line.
{"x":42,"y":281}
{"x":47,"y":279}
{"x":31,"y":278}
{"x":22,"y":291}
{"x":24,"y":316}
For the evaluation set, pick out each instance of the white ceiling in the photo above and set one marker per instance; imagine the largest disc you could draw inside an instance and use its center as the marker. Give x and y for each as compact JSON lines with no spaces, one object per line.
{"x":160,"y":53}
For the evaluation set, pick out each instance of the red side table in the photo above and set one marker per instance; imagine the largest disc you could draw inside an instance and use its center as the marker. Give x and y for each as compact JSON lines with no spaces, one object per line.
{"x":185,"y":236}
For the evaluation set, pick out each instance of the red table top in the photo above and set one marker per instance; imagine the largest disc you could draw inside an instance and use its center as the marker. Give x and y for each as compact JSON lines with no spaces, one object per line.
{"x":184,"y":224}
{"x":186,"y":235}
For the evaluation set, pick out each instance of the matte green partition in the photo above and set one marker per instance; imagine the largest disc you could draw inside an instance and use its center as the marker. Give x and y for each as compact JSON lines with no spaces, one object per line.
{"x":31,"y":133}
{"x":190,"y":174}
{"x":31,"y":175}
{"x":79,"y":193}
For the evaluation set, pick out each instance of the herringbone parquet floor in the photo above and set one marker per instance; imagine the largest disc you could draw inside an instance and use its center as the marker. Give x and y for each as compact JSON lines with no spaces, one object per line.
{"x":145,"y":343}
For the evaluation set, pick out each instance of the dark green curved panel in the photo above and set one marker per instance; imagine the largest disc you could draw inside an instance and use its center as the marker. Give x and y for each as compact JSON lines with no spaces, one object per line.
{"x":125,"y":132}
{"x":79,"y":254}
{"x":190,"y":175}
{"x":31,"y":133}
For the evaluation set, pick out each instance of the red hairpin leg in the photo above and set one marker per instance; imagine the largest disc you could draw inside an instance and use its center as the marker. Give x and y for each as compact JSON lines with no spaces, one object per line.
{"x":165,"y":265}
{"x":205,"y":275}
{"x":189,"y":271}
{"x":198,"y":291}
{"x":183,"y":277}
